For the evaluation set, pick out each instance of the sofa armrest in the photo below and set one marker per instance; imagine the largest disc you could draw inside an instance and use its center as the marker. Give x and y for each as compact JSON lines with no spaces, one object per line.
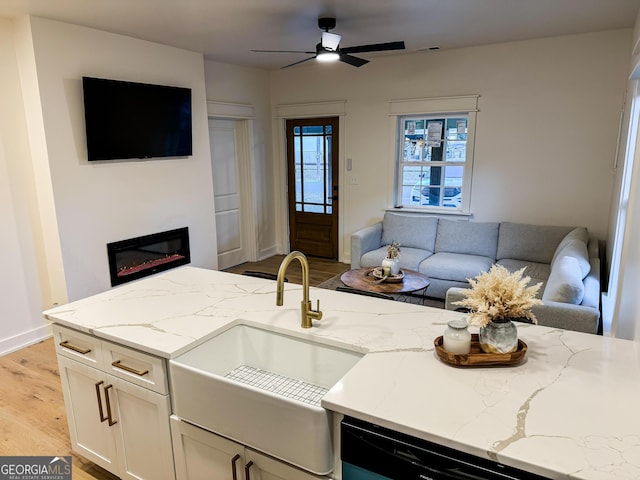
{"x":568,"y":316}
{"x":364,"y":241}
{"x":592,"y":285}
{"x":550,"y":314}
{"x":454,"y":294}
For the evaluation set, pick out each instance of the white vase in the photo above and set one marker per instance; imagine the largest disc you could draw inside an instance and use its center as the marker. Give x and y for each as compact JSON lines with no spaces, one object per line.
{"x":393,"y":264}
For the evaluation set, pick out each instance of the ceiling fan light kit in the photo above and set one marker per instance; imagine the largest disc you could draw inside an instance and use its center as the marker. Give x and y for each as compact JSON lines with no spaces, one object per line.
{"x":327,"y":56}
{"x":328,"y":50}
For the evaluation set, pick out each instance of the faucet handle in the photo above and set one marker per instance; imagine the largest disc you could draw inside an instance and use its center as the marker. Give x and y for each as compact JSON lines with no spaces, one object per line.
{"x":316,"y":314}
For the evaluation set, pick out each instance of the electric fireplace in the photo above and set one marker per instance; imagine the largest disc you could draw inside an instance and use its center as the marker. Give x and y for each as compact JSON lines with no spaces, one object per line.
{"x":142,"y":256}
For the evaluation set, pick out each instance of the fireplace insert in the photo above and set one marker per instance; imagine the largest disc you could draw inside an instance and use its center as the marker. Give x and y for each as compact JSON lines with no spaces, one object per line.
{"x":142,"y":256}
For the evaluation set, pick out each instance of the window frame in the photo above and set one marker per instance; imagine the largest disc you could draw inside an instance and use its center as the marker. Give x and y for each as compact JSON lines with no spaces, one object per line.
{"x":433,"y":108}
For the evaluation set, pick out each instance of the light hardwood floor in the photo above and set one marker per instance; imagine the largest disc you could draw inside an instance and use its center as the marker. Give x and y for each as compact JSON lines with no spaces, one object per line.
{"x":32,"y":414}
{"x":320,"y":269}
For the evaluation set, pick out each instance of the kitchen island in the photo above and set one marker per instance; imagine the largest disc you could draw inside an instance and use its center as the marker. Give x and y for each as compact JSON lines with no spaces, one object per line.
{"x":568,"y":411}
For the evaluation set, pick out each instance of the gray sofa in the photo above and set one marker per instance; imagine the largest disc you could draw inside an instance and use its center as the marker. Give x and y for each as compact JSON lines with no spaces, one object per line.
{"x":565,"y":259}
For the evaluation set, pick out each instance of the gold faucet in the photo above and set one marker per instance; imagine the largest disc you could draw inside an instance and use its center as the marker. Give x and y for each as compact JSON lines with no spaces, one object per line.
{"x":308,"y":314}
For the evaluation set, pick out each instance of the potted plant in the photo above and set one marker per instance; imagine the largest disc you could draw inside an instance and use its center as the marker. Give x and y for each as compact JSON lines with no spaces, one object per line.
{"x":391,"y":261}
{"x":495,"y":299}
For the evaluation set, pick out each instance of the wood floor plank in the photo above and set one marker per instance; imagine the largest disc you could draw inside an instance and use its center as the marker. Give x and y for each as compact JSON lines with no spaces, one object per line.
{"x":320,"y":269}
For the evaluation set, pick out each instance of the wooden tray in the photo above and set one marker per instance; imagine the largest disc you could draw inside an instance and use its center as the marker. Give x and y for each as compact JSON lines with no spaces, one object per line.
{"x":477,"y":357}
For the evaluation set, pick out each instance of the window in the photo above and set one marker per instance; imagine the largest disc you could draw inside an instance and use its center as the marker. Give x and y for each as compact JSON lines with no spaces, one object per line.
{"x":435,"y":158}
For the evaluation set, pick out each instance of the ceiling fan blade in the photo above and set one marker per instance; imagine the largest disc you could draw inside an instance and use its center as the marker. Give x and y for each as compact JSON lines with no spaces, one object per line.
{"x":284,"y":51}
{"x":351,"y":60}
{"x":331,"y":41}
{"x":299,"y":62}
{"x":375,"y":47}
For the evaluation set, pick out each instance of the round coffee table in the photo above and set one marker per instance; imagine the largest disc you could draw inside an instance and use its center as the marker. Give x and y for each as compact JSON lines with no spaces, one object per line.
{"x":362,"y":279}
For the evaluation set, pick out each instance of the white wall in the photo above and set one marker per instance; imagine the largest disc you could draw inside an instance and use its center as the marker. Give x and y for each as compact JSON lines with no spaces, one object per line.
{"x":243,"y":85}
{"x":98,"y":203}
{"x":546,"y":130}
{"x":21,"y":294}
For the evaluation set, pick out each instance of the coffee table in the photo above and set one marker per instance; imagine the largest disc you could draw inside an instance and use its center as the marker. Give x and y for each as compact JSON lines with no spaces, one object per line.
{"x":361,"y":279}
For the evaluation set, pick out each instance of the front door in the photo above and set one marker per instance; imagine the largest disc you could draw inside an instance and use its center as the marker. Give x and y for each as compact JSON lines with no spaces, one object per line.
{"x":312,"y":165}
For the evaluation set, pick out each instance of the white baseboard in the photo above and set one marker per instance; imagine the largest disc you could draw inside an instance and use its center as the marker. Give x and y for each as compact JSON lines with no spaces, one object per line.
{"x":268,"y":252}
{"x":24,"y":339}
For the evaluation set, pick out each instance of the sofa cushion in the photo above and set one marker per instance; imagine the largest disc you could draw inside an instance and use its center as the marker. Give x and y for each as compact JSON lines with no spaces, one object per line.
{"x":472,"y":238}
{"x":535,"y":270}
{"x":416,"y":231}
{"x":538,"y":272}
{"x":458,"y":267}
{"x":574,"y":244}
{"x":565,"y":282}
{"x":409,"y":257}
{"x":533,"y":243}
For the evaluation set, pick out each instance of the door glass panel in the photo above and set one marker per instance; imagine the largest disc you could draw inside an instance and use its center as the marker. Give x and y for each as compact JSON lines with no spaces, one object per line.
{"x":297,"y":151}
{"x":312,"y":154}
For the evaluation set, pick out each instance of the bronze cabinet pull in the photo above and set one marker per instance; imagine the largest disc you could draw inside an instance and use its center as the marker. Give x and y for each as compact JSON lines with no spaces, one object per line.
{"x":102,"y":417}
{"x":233,"y":466}
{"x":68,"y":346}
{"x":126,"y":368}
{"x":247,"y":473}
{"x":106,"y":397}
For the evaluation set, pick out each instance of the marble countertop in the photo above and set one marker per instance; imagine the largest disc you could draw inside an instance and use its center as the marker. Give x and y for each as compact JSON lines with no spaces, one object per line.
{"x":567,"y":411}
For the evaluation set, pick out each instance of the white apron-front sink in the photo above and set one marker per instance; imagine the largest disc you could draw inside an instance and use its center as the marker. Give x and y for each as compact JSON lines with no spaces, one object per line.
{"x":263,"y":389}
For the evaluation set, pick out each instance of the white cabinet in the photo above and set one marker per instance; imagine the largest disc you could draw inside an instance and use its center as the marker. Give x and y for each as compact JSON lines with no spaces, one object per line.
{"x":202,"y":455}
{"x":117,"y":405}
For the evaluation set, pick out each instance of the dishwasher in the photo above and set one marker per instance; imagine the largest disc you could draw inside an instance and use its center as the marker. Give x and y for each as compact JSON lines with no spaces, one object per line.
{"x":371,"y":452}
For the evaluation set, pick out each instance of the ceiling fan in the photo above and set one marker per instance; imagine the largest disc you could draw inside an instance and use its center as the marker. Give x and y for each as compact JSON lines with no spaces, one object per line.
{"x":329,"y":47}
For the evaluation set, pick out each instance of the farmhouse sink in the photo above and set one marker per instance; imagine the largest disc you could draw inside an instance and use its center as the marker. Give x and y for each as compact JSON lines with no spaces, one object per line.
{"x":263,"y":389}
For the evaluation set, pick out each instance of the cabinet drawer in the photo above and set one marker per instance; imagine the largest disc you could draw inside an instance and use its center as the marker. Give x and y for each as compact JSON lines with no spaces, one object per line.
{"x":79,"y":346}
{"x":136,"y":367}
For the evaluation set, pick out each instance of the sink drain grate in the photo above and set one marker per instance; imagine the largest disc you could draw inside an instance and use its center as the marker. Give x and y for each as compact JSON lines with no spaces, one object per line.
{"x":279,"y":384}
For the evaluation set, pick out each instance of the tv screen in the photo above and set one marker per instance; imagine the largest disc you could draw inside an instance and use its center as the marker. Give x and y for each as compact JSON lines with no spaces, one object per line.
{"x":136,"y":120}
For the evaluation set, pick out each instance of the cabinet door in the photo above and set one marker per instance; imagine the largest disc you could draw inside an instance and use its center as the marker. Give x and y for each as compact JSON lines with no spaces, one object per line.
{"x":90,"y":436}
{"x":262,"y":467}
{"x":142,"y":430}
{"x":202,"y":455}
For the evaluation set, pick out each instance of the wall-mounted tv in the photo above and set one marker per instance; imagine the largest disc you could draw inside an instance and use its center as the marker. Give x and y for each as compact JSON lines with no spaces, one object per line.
{"x":136,"y":120}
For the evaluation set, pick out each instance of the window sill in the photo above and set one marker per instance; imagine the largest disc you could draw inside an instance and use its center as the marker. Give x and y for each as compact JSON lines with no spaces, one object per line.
{"x":432,"y":211}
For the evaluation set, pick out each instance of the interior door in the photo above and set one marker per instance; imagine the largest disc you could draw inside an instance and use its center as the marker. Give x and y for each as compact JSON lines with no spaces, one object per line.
{"x":227,"y":195}
{"x":312,"y":164}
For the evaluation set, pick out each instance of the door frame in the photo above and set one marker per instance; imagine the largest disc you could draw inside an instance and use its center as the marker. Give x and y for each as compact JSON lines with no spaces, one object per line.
{"x":244,"y":114}
{"x":305,"y":110}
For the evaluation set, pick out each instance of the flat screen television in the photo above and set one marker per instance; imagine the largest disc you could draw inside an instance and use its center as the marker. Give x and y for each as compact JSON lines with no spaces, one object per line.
{"x":136,"y":120}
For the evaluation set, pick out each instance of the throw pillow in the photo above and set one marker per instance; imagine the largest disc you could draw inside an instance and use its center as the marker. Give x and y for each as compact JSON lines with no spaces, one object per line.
{"x":577,"y":249}
{"x":565,"y":282}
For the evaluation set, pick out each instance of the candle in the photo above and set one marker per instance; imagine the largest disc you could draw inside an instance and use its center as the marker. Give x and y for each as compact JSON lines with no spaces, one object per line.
{"x":456,"y":338}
